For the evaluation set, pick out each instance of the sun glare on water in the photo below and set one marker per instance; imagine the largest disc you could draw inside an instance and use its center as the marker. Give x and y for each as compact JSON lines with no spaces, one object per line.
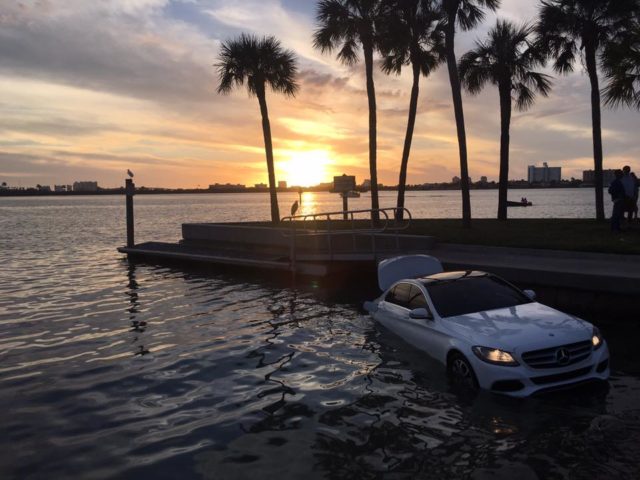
{"x":306,"y":168}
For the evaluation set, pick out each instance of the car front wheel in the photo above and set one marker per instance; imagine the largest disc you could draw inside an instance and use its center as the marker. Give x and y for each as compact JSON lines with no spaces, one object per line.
{"x":461,"y":373}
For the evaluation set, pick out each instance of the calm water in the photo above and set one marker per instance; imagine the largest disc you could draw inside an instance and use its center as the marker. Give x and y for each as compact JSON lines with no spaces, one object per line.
{"x":111,"y":370}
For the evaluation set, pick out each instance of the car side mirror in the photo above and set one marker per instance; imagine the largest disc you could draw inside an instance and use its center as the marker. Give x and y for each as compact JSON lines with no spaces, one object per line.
{"x":420,"y":314}
{"x":530,"y":293}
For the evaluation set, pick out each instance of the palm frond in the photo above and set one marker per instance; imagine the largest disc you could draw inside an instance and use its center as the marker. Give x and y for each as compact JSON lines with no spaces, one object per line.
{"x":621,"y":64}
{"x":348,"y":54}
{"x":623,"y":91}
{"x":565,"y":27}
{"x":257,"y":63}
{"x":525,"y":97}
{"x":565,"y":58}
{"x":475,"y":69}
{"x":469,"y":15}
{"x":506,"y":58}
{"x":410,"y":32}
{"x":538,"y":82}
{"x":343,"y":25}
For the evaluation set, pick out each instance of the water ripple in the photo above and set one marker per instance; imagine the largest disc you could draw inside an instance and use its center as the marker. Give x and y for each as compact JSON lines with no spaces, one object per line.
{"x":116,"y":370}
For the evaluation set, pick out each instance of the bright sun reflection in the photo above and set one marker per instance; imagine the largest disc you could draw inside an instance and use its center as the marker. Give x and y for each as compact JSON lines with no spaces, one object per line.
{"x":305,"y":168}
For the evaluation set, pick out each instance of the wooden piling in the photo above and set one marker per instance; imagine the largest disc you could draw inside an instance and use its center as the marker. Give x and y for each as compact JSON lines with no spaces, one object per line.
{"x":129,"y":191}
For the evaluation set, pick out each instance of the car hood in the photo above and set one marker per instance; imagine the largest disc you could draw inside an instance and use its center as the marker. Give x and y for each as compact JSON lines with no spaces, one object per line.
{"x":516,"y":329}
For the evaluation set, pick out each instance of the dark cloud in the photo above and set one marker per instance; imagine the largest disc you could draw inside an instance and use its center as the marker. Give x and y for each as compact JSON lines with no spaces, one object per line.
{"x":105,"y":56}
{"x":57,"y":126}
{"x":64,"y":155}
{"x":313,"y":78}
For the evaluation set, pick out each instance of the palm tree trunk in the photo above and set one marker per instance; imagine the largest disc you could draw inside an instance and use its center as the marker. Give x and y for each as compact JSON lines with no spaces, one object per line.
{"x":592,"y":69}
{"x":413,"y":108}
{"x":456,"y":92}
{"x":373,"y":167}
{"x":266,"y":130}
{"x":505,"y":123}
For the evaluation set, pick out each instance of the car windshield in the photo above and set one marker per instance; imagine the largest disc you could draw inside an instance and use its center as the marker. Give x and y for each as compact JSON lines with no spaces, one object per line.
{"x":473,"y":294}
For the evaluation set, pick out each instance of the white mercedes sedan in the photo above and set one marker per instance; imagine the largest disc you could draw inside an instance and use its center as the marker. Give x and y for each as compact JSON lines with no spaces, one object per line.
{"x":485,"y":331}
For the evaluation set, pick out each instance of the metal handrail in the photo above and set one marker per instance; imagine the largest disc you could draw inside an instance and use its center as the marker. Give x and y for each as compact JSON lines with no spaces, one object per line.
{"x":313,"y":217}
{"x":327,"y":217}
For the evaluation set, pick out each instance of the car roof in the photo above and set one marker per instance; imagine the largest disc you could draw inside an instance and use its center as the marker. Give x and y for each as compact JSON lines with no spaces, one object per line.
{"x":451,"y":276}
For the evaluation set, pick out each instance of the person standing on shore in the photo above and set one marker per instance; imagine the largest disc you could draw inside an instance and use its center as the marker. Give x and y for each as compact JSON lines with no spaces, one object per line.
{"x":634,"y":212}
{"x":617,"y":192}
{"x":630,"y":188}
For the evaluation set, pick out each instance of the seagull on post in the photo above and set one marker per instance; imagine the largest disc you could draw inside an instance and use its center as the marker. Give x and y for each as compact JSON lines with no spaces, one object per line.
{"x":294,"y":208}
{"x":130,"y":173}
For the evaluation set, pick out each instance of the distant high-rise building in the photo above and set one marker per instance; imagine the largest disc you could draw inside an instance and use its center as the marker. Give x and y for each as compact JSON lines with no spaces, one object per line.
{"x":282,"y":184}
{"x":85,"y":186}
{"x":455,"y":180}
{"x":589,"y":177}
{"x":544,"y":174}
{"x":483,"y":179}
{"x":59,"y":188}
{"x":260,"y":185}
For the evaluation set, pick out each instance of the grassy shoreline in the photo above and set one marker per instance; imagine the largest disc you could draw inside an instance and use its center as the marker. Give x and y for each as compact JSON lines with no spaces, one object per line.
{"x":582,"y":235}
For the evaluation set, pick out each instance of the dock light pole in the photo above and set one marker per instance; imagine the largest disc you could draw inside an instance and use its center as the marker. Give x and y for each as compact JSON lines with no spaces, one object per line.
{"x":129,"y":191}
{"x":343,"y":184}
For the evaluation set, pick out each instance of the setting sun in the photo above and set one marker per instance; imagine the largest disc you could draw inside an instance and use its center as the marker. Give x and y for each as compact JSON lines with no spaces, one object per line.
{"x":306,"y":168}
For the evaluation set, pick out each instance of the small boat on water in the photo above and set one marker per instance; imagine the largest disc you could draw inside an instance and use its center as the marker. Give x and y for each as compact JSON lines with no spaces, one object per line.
{"x":521,"y":203}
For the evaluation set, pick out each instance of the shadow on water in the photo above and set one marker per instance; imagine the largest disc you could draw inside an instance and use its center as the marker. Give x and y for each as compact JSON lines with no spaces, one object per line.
{"x":138,"y":327}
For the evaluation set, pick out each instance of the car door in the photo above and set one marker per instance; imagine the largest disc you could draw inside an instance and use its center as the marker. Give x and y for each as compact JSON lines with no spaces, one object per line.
{"x":401,"y":299}
{"x":420,"y":332}
{"x":394,"y":306}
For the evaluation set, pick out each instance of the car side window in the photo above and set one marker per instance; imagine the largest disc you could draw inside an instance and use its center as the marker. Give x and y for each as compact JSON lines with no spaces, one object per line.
{"x":399,"y":295}
{"x":390,"y":296}
{"x":417,"y":299}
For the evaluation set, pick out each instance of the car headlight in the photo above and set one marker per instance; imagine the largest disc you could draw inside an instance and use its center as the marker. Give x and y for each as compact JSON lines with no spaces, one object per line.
{"x":596,"y":338}
{"x":495,"y":356}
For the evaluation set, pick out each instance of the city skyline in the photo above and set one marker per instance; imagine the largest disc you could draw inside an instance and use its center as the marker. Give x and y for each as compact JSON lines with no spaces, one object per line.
{"x":89,"y":90}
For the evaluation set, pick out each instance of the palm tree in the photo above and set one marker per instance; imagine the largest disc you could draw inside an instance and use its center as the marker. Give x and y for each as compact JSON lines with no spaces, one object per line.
{"x":344,"y":25}
{"x":410,"y":34}
{"x":467,"y":14}
{"x":259,"y":63}
{"x":621,"y":64}
{"x":506,"y":60}
{"x":571,"y":28}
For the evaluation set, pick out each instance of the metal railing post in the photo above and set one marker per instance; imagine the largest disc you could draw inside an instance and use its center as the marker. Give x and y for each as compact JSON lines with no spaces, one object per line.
{"x":353,"y":234}
{"x":329,"y":236}
{"x":292,"y":253}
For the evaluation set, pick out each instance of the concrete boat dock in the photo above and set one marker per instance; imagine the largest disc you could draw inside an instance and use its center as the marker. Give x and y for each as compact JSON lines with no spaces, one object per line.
{"x":320,"y":253}
{"x":592,"y":272}
{"x":306,"y":251}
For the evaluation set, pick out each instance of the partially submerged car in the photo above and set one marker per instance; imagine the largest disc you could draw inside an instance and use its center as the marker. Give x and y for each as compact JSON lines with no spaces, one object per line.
{"x":485,"y":331}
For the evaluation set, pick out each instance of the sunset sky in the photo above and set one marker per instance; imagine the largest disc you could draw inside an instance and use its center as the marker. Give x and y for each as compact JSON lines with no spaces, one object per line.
{"x":89,"y":88}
